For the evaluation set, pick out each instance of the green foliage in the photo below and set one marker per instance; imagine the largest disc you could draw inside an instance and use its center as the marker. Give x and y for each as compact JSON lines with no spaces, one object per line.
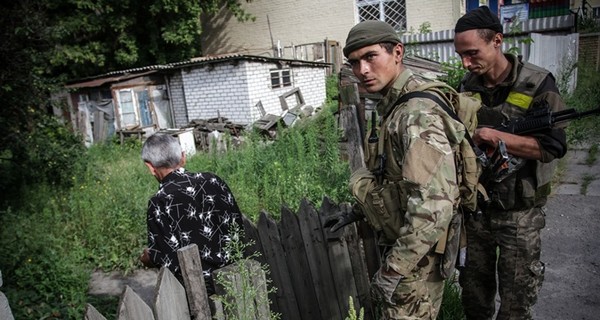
{"x":52,"y":242}
{"x":246,"y":284}
{"x":46,"y":42}
{"x":585,"y":97}
{"x":303,"y":161}
{"x":352,"y":314}
{"x":515,"y":28}
{"x":451,"y":308}
{"x":454,"y":72}
{"x":49,"y":152}
{"x":588,"y":24}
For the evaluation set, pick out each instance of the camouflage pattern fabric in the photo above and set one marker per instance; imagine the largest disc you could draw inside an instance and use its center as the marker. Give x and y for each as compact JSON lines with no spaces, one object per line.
{"x":419,"y":135}
{"x":520,"y":270}
{"x":418,"y":296}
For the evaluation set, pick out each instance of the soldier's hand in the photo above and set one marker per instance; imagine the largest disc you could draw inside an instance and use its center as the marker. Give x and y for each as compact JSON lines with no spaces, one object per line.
{"x":341,"y":219}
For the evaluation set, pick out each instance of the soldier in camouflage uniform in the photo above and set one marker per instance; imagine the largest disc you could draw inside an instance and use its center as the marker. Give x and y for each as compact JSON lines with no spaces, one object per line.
{"x":418,"y":186}
{"x":511,"y":223}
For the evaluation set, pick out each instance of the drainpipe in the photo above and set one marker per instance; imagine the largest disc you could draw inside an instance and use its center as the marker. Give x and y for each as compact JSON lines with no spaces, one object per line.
{"x":171,"y":112}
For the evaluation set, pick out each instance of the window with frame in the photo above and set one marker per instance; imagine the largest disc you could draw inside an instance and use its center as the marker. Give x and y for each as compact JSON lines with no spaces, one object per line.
{"x":281,"y":78}
{"x":390,"y":11}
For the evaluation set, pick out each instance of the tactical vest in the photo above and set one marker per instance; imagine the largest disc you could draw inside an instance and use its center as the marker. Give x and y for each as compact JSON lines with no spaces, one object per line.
{"x":381,"y":191}
{"x":529,"y":186}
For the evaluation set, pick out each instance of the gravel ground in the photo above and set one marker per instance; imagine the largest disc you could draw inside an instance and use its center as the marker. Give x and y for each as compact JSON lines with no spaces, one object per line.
{"x":571,"y":245}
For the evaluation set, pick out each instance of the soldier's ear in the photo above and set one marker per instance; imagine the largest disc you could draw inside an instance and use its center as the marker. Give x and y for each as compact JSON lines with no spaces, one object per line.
{"x":399,"y":52}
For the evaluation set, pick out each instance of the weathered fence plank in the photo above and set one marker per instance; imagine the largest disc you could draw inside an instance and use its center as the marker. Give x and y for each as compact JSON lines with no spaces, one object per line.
{"x":275,"y":255}
{"x":359,"y":269}
{"x":298,"y":264}
{"x":90,"y":313}
{"x":353,"y":136}
{"x":251,"y":234}
{"x":132,"y":307}
{"x":170,"y":302}
{"x":193,"y":279}
{"x":320,"y":268}
{"x":241,"y":278}
{"x":338,"y":251}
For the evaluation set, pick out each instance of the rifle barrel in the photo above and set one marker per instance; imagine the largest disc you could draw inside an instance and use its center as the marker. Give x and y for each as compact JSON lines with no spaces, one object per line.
{"x":574,"y":115}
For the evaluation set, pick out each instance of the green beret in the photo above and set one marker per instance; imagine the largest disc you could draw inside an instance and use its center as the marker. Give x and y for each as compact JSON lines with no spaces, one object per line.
{"x":368,"y":33}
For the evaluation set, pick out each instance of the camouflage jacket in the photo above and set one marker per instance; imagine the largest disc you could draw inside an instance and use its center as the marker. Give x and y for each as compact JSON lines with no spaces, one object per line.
{"x":420,"y":138}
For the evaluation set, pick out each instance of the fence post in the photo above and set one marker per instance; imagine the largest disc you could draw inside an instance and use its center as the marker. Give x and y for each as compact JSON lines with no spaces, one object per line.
{"x":353,"y":137}
{"x":193,"y":279}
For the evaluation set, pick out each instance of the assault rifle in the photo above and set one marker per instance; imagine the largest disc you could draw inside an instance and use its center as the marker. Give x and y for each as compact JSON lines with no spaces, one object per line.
{"x":500,"y":164}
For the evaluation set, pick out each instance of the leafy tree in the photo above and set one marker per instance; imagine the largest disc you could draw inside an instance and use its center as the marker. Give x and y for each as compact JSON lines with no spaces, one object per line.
{"x":46,"y":42}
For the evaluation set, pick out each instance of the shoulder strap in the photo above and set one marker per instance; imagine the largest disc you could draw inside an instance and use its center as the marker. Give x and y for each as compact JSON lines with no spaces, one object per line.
{"x":428,"y":95}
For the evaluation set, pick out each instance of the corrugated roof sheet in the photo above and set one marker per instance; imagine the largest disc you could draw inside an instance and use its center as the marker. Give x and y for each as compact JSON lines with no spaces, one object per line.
{"x":135,"y":72}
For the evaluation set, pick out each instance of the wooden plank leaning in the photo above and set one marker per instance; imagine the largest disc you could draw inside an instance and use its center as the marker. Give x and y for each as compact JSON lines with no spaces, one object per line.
{"x":193,"y":279}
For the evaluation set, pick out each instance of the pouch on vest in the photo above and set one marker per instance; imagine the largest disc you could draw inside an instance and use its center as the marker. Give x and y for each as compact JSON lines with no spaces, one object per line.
{"x":379,"y":203}
{"x":451,"y":246}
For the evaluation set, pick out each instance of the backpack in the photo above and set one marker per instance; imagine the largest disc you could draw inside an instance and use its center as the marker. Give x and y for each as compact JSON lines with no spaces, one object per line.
{"x":469,"y":159}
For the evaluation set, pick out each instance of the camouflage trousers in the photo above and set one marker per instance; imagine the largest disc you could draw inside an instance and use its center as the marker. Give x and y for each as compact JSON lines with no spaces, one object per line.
{"x":515,"y":235}
{"x":417,"y":296}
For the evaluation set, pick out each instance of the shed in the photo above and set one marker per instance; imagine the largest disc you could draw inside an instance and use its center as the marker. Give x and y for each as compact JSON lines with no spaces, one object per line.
{"x":240,"y":88}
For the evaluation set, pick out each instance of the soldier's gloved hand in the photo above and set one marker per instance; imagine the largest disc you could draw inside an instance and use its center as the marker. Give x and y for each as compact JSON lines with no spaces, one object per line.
{"x":342,"y":219}
{"x":384,"y":283}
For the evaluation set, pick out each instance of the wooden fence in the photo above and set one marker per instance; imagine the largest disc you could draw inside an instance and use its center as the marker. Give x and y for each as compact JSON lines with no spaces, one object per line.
{"x":313,"y":272}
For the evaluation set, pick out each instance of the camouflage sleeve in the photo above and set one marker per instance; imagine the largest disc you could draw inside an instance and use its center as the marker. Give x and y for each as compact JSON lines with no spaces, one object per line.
{"x":429,"y":178}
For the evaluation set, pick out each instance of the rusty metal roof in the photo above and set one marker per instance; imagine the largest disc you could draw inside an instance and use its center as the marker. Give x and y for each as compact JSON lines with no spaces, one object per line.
{"x":119,"y":75}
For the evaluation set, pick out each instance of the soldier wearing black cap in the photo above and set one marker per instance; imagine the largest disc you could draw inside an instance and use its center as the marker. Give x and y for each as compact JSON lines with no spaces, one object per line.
{"x":416,"y":183}
{"x":509,"y":89}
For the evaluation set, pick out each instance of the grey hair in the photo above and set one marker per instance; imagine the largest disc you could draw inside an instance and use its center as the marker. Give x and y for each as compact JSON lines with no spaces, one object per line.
{"x":162,"y":151}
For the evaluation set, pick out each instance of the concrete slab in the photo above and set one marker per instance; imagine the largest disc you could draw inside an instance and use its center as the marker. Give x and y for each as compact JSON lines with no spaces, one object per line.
{"x":142,"y":281}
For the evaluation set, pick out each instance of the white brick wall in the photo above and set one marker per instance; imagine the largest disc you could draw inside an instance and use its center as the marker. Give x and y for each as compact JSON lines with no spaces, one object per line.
{"x":178,"y":99}
{"x":234,"y":91}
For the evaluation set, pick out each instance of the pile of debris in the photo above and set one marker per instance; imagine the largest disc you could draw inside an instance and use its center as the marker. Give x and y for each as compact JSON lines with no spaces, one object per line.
{"x":209,"y":133}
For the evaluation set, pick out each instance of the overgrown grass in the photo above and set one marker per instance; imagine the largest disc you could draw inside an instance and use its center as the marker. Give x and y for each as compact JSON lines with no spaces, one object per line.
{"x":51,"y":243}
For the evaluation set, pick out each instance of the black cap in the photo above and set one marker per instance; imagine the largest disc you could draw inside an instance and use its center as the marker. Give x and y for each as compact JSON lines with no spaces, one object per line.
{"x":480,"y":18}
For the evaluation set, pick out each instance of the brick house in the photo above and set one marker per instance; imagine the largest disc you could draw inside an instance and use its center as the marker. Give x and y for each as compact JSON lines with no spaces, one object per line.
{"x":240,"y":88}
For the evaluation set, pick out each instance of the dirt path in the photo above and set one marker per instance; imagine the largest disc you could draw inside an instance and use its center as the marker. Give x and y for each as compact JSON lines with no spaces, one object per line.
{"x":571,"y":244}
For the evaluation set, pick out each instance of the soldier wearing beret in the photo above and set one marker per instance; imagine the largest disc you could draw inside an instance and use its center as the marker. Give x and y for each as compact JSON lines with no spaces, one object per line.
{"x":417,"y":183}
{"x":509,"y":89}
